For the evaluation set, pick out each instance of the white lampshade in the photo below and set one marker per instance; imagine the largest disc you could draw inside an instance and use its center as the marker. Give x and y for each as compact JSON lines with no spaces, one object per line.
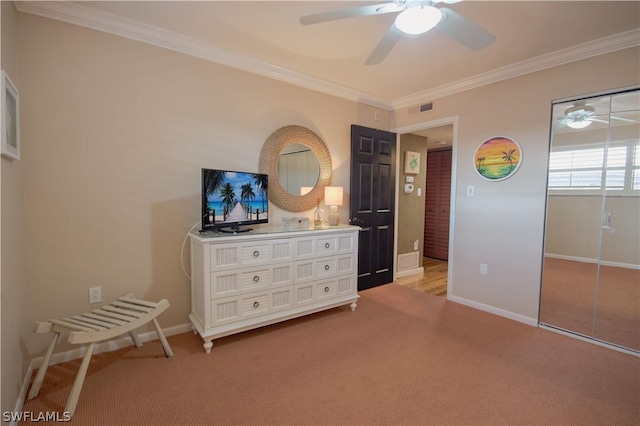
{"x":305,"y":190}
{"x":418,"y":19}
{"x":333,"y":195}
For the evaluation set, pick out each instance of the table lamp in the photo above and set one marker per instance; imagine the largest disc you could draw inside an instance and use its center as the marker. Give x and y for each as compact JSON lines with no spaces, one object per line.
{"x":333,"y":199}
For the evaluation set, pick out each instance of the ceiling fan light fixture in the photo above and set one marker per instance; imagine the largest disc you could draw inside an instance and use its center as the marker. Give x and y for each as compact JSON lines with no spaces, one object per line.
{"x":579,"y":124}
{"x":418,"y":19}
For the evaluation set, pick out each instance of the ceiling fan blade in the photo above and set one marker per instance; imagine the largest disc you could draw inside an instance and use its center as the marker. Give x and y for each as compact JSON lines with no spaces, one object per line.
{"x":383,"y":48}
{"x":627,"y":120}
{"x":561,"y":122}
{"x":464,"y":31}
{"x":375,"y":9}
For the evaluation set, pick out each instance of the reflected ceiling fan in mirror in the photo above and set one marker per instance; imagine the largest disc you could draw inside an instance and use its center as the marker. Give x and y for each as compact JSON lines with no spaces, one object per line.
{"x":581,"y":115}
{"x":414,"y":17}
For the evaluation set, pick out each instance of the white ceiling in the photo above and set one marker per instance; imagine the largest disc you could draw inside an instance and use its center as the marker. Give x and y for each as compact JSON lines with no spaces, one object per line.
{"x":266,"y":37}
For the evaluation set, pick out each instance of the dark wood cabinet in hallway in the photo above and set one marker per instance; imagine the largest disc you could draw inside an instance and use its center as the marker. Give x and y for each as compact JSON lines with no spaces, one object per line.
{"x":437,"y":202}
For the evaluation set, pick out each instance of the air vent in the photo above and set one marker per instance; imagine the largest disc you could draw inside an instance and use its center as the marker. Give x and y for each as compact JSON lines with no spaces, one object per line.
{"x":421,"y":108}
{"x":426,"y":107}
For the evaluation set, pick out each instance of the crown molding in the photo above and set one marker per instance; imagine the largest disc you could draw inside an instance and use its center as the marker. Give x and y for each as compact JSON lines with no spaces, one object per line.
{"x":587,"y":50}
{"x":106,"y":22}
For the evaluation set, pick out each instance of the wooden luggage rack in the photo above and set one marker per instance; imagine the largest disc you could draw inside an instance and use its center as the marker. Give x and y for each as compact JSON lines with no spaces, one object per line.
{"x":119,"y":317}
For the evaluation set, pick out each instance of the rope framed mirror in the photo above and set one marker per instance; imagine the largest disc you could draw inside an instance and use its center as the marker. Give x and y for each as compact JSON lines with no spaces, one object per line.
{"x":275,"y":144}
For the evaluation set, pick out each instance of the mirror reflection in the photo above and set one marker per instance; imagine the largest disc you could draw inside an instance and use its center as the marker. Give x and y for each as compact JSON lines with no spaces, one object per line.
{"x":298,"y":169}
{"x":591,"y":275}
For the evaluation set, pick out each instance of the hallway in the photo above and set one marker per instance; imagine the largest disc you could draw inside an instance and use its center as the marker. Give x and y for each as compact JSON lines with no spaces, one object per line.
{"x":433,"y":280}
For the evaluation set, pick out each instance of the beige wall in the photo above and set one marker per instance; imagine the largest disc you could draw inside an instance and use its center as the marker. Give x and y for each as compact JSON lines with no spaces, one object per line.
{"x":574,"y":223}
{"x":117,"y":134}
{"x":502,"y":225}
{"x":410,"y":205}
{"x":14,"y":281}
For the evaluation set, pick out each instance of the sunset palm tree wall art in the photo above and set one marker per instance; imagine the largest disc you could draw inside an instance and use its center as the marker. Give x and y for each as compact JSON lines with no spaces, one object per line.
{"x":498,"y":158}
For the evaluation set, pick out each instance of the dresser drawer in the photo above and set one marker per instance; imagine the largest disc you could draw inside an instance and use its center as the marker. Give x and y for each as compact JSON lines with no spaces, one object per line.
{"x":229,"y":256}
{"x":326,"y":267}
{"x":250,"y":305}
{"x":310,"y":247}
{"x":229,"y":283}
{"x":313,"y":292}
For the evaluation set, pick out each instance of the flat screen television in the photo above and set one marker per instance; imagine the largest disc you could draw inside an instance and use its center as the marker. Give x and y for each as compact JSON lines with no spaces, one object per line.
{"x":231,"y":200}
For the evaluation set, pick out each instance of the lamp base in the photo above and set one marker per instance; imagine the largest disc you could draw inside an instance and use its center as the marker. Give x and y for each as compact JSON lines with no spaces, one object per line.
{"x":334,"y":218}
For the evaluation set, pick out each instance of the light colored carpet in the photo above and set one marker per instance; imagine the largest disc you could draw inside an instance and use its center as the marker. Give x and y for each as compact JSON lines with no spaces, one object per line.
{"x":404,"y":357}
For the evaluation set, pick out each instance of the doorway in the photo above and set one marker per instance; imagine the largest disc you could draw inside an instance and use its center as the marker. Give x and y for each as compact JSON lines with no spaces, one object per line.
{"x":418,"y":266}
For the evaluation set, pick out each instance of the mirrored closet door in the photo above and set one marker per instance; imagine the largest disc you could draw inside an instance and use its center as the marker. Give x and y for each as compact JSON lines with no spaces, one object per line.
{"x":591,"y":273}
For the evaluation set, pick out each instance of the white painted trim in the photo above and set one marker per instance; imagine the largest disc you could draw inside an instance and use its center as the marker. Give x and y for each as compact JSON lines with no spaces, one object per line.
{"x":102,"y":21}
{"x":409,"y":260}
{"x":587,"y":50}
{"x":453,"y":120}
{"x":410,"y":272}
{"x":591,"y":260}
{"x":493,"y":310}
{"x":590,"y":340}
{"x":107,"y":346}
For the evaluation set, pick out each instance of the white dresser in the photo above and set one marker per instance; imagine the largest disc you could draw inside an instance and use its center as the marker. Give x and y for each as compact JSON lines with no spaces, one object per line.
{"x":244,"y":281}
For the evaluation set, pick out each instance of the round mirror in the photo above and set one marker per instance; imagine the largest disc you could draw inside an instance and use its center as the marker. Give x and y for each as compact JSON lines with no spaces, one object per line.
{"x":274,"y":161}
{"x":298,"y":169}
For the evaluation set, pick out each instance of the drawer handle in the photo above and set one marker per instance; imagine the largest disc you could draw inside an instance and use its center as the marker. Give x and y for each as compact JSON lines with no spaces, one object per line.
{"x":326,"y":289}
{"x":326,"y":267}
{"x":256,"y":279}
{"x":256,"y":304}
{"x":327,"y":245}
{"x":256,"y":253}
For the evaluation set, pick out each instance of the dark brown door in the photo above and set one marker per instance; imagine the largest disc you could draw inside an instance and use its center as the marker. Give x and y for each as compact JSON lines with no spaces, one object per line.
{"x":437,"y":204}
{"x":373,"y":182}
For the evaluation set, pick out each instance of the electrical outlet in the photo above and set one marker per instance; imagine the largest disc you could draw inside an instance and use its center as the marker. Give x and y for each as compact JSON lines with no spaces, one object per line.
{"x":415,"y":245}
{"x":483,"y":269}
{"x":95,"y":295}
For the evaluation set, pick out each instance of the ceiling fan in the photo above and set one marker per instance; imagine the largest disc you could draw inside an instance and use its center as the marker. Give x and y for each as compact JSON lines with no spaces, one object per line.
{"x":581,"y":115}
{"x":414,"y":17}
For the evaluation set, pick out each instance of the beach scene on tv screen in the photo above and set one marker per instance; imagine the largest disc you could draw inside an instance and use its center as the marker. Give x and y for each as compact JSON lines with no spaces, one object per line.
{"x":233,"y":197}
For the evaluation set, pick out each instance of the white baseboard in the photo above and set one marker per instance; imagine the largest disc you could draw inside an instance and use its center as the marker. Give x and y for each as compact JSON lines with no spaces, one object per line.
{"x":409,"y":272}
{"x":493,"y":310}
{"x":107,"y":346}
{"x":590,"y":260}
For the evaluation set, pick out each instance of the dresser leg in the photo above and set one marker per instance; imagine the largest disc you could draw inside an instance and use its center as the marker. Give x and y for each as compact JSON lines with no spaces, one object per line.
{"x":208,"y":344}
{"x":354,"y":305}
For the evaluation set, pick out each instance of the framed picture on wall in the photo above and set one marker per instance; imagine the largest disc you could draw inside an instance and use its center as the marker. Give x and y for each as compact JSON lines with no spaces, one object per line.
{"x":497,"y":158}
{"x":10,"y":119}
{"x":412,"y":162}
